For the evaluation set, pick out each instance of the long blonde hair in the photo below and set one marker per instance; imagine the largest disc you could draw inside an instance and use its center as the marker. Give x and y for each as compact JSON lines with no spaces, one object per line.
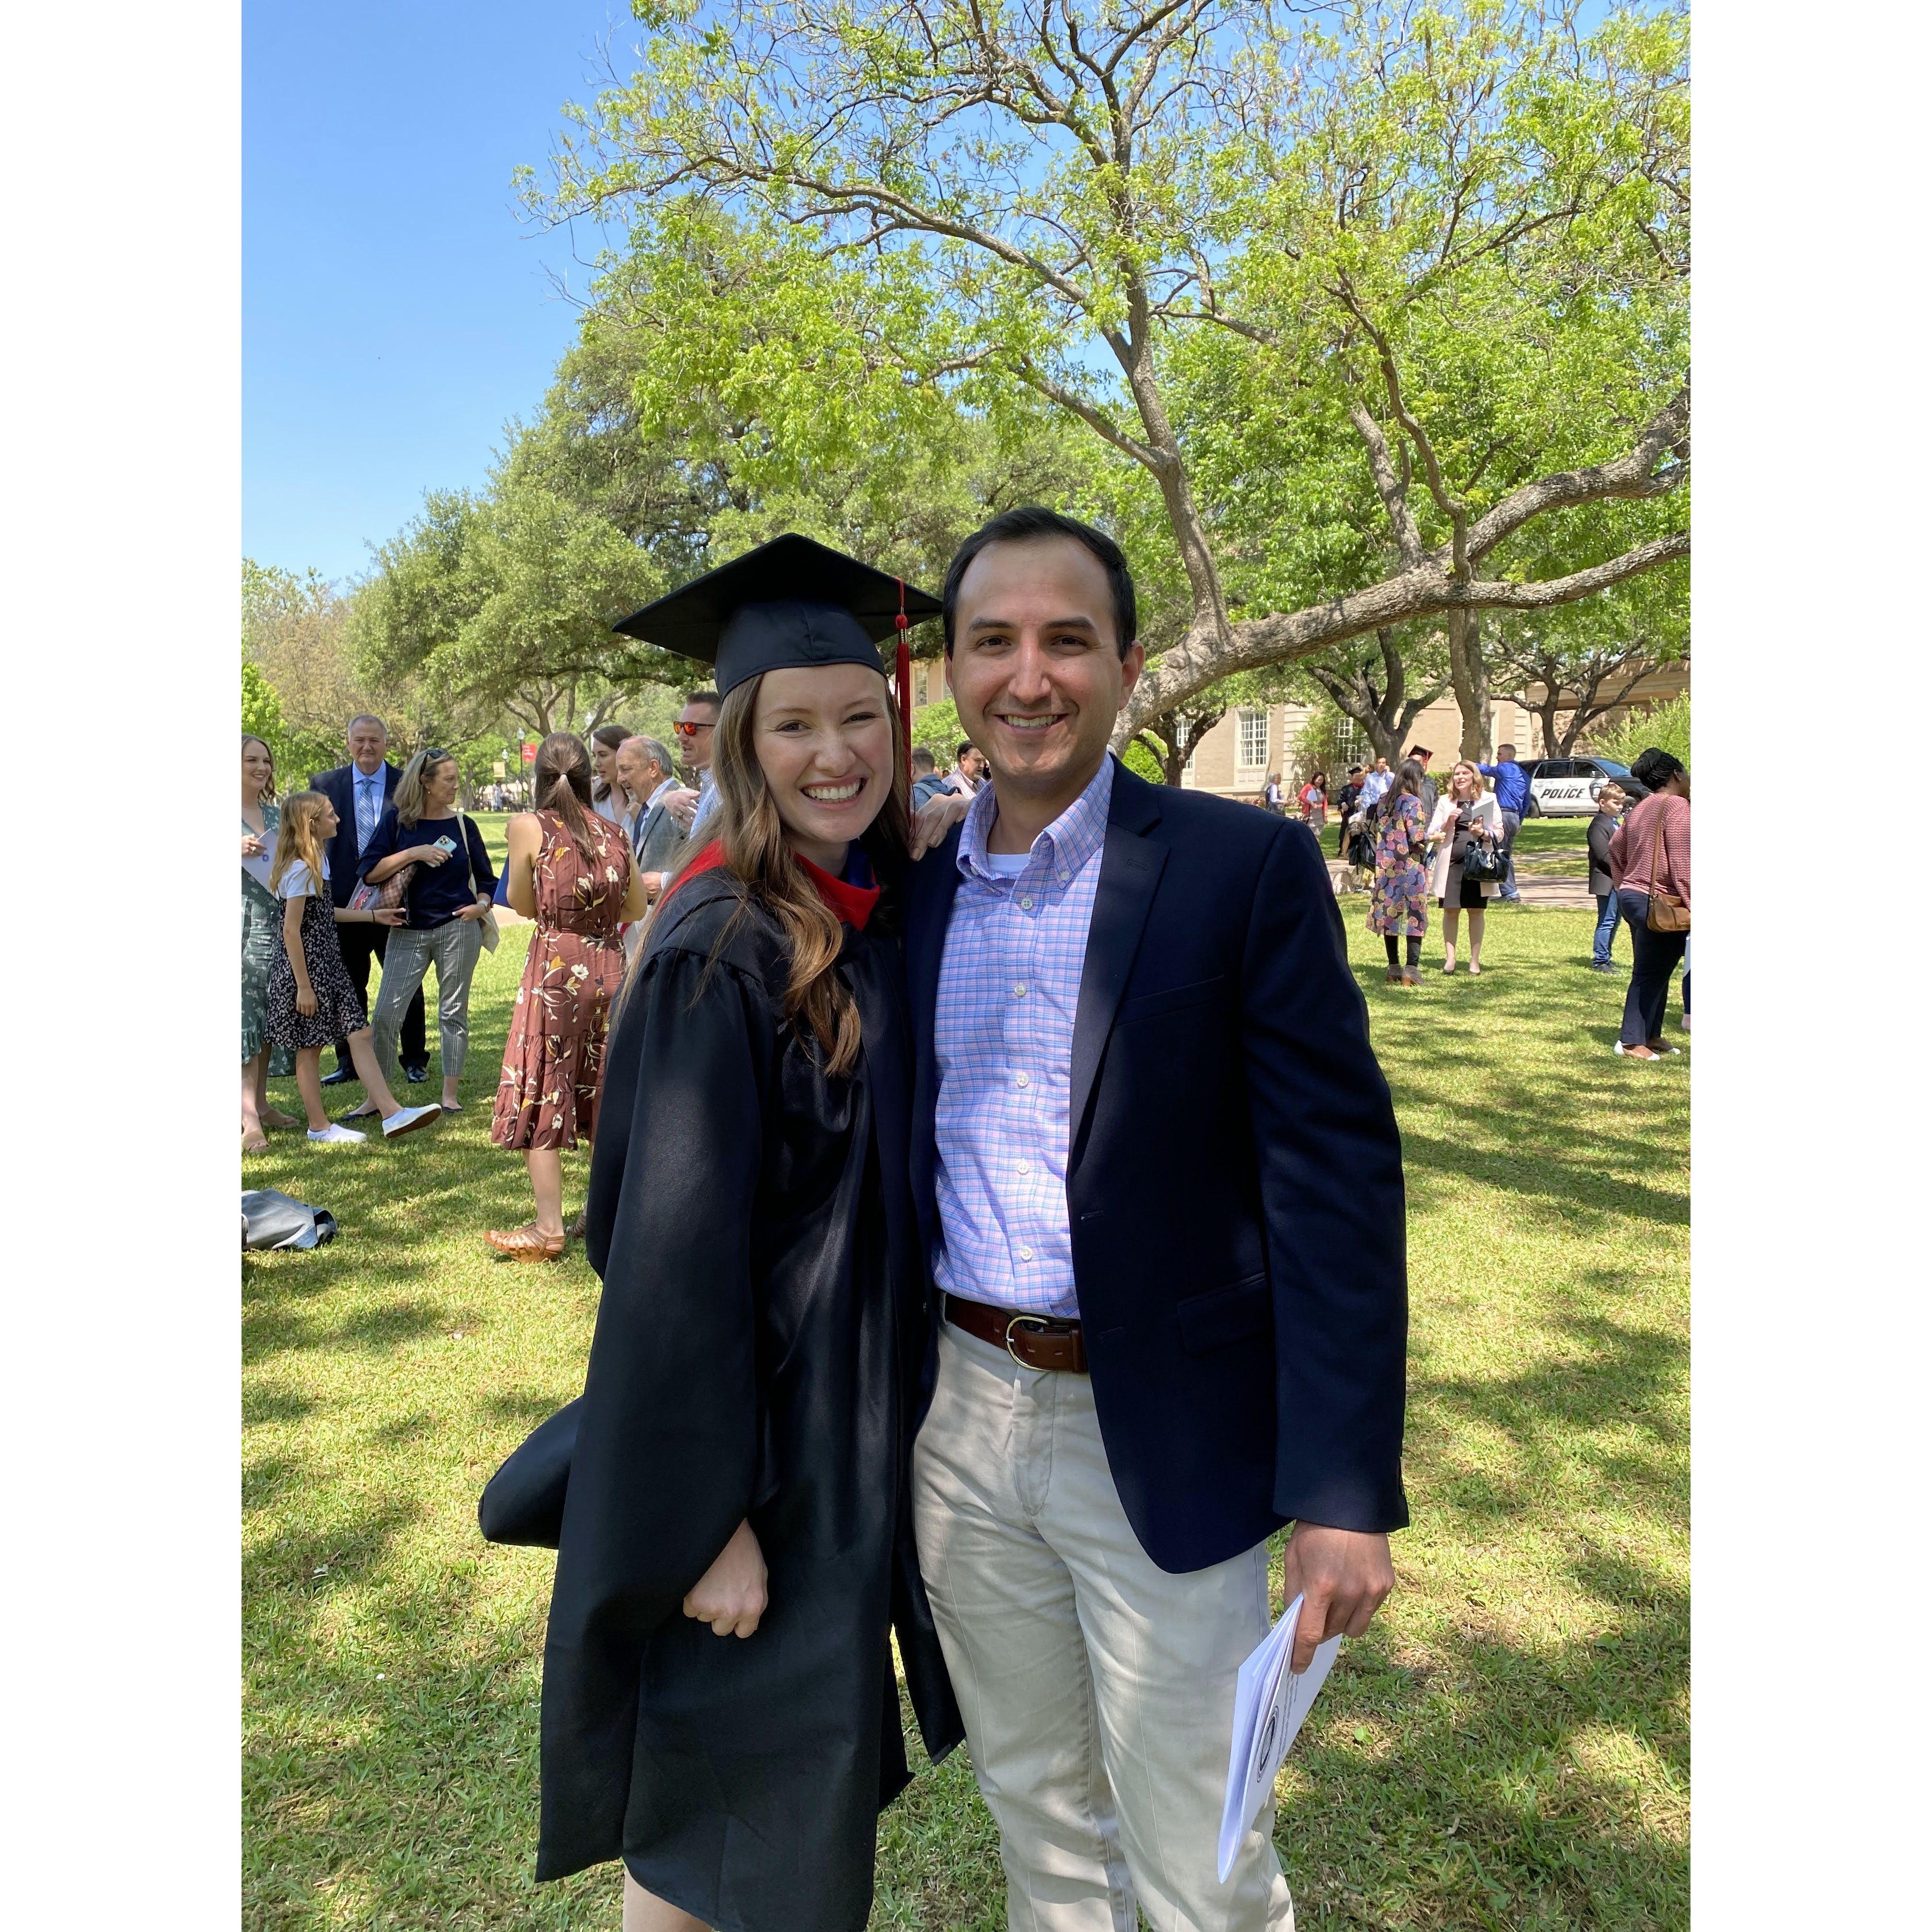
{"x":408,"y":797}
{"x":299,"y":838}
{"x":757,"y":853}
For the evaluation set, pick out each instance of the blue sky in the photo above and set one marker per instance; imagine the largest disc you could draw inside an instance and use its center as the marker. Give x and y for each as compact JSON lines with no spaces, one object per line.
{"x":395,"y":311}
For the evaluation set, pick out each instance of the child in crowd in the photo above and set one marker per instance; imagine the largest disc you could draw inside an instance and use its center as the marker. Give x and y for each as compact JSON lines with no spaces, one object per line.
{"x":312,"y":1001}
{"x":1602,"y":828}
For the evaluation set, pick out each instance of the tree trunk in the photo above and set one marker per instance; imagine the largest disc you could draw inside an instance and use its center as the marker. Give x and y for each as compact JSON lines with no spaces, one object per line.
{"x":1470,"y":677}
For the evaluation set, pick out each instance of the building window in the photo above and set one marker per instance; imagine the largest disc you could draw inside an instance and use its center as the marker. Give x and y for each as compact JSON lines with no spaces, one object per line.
{"x":1348,"y":744}
{"x":1252,"y":726}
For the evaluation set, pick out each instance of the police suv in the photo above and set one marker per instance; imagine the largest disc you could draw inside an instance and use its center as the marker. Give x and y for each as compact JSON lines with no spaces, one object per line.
{"x":1567,"y":787}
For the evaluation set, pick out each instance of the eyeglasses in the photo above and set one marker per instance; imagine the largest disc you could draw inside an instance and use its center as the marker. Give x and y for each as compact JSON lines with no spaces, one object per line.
{"x":685,"y":731}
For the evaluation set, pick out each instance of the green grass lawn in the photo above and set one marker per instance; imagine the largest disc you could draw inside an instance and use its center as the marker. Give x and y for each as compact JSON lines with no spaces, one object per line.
{"x":1507,"y":1748}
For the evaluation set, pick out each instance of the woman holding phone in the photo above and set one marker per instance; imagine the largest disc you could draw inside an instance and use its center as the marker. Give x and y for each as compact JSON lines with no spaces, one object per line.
{"x":735,"y":1550}
{"x":449,"y":890}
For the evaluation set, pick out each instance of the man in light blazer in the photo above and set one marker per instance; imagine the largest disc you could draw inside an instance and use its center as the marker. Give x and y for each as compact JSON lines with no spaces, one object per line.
{"x":647,"y":771}
{"x":1159,"y":1341}
{"x":359,"y":790}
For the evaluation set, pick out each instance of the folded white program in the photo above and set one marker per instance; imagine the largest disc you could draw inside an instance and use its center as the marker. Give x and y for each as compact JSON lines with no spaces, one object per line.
{"x":1269,"y":1703}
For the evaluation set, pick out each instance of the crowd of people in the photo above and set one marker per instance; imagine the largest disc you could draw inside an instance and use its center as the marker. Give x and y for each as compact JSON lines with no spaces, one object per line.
{"x":910,"y":1330}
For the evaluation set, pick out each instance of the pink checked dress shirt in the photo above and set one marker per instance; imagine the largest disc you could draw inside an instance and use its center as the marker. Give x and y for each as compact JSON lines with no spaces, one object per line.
{"x":1002,"y":1036}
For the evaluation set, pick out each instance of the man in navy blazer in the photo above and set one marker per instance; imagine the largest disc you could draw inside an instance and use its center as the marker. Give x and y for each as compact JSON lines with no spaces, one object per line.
{"x":356,"y":789}
{"x":1160,"y":1184}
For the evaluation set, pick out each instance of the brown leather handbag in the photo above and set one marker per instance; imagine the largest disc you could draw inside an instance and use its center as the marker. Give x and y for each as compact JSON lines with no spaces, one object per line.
{"x":1668,"y":913}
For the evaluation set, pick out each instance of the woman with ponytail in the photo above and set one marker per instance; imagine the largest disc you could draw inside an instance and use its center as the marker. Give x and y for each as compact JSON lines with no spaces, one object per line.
{"x":735,"y":1550}
{"x":570,"y":869}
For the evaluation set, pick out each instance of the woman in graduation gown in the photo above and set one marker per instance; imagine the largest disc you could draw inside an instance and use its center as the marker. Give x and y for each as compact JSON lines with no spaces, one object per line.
{"x":720,"y":1707}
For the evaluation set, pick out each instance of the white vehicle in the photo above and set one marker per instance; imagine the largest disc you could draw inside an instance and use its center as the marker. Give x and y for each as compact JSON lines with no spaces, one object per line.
{"x":1567,"y":787}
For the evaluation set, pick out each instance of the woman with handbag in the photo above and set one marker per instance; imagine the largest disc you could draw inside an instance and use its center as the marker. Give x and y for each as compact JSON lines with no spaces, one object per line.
{"x":1466,"y":831}
{"x":1399,"y":903}
{"x":571,"y":870}
{"x":445,"y":889}
{"x":1650,"y":867}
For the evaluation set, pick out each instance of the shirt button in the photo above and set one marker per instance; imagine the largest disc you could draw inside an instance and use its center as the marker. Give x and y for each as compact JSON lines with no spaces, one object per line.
{"x":1065,"y":876}
{"x":1026,"y":905}
{"x":1026,"y":1254}
{"x":1026,"y":1167}
{"x":1019,"y":989}
{"x":1021,"y":1080}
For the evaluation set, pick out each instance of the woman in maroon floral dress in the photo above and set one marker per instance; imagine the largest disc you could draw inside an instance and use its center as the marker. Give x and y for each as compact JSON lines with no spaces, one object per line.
{"x":571,"y":871}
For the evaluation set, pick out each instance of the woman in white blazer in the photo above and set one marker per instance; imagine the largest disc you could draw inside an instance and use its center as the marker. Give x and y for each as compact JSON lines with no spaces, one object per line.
{"x":1467,"y":810}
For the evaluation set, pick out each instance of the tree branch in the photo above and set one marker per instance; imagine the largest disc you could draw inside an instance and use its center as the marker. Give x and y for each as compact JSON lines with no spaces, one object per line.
{"x":1389,"y":486}
{"x":1634,"y":475}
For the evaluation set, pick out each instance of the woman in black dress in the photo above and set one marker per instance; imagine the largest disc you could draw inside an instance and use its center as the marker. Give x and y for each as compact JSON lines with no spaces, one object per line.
{"x":735,"y":1550}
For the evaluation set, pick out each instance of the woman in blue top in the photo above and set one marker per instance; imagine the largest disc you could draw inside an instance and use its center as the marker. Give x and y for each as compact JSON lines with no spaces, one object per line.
{"x":449,"y":892}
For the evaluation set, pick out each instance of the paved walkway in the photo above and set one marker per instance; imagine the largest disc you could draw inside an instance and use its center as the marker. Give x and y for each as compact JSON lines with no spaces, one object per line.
{"x":1567,"y":892}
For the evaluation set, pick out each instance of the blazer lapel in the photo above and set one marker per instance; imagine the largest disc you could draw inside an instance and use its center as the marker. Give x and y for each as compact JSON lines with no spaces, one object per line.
{"x":1131,"y":865}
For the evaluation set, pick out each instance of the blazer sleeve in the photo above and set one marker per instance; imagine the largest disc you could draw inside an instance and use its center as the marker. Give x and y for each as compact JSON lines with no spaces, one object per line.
{"x":1619,"y":853}
{"x":1329,"y":1161}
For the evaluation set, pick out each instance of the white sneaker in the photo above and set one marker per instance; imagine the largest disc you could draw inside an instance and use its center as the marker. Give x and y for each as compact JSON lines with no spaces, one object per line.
{"x":336,"y":1132}
{"x":405,"y":1119}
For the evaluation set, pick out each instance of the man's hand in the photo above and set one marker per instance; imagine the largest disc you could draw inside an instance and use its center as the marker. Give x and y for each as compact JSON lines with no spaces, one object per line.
{"x":681,"y":804}
{"x":934,"y":819}
{"x":1344,"y":1575}
{"x":730,"y":1595}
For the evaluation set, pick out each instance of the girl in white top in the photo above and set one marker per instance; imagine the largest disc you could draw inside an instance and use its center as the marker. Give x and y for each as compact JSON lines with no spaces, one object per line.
{"x":312,"y":1001}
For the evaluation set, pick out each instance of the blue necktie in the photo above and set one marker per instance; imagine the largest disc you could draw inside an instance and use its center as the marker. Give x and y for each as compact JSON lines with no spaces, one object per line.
{"x":367,"y":810}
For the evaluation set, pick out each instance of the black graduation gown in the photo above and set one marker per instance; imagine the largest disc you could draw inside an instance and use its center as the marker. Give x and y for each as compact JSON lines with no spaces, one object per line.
{"x":756,"y":1354}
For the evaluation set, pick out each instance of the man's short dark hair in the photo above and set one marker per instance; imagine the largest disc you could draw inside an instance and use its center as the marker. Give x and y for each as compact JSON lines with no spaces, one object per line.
{"x":1505,"y":750}
{"x":1028,"y":524}
{"x":709,"y":698}
{"x":963,"y":750}
{"x":922,"y":760}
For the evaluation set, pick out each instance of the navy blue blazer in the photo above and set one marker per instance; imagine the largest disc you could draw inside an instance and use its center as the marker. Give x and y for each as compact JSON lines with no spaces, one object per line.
{"x":1233,"y":1182}
{"x":338,"y":786}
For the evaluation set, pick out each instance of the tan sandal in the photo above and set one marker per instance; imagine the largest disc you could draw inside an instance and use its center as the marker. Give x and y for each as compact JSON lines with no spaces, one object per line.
{"x":255,"y":1143}
{"x":527,"y":1244}
{"x":274,"y":1117}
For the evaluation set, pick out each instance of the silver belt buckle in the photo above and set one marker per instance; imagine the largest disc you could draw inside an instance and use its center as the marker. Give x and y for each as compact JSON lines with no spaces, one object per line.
{"x":1039,"y":1320}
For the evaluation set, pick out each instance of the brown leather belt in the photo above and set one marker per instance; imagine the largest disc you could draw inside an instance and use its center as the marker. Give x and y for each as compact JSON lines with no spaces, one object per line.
{"x":1034,"y":1341}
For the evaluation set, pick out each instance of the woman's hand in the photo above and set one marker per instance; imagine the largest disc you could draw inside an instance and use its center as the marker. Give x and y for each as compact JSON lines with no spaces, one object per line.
{"x":388,"y":916}
{"x":934,"y":819}
{"x":429,"y":855}
{"x":252,"y":848}
{"x":305,"y":1002}
{"x":730,"y":1595}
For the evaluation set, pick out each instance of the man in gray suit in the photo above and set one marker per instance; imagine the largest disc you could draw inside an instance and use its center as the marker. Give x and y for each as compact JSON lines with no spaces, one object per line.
{"x":647,"y":771}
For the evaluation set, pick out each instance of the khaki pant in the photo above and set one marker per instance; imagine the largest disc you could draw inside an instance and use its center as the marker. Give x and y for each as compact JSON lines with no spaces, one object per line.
{"x":1098,"y":1690}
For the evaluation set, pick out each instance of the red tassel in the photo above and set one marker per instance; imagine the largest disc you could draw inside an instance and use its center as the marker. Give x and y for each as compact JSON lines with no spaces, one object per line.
{"x":905,"y":681}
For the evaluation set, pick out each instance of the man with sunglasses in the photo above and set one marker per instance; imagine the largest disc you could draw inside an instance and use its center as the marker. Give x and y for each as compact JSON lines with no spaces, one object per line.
{"x":693,"y":729}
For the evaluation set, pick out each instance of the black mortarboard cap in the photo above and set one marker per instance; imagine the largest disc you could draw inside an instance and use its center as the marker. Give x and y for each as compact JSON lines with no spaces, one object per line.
{"x":789,"y":602}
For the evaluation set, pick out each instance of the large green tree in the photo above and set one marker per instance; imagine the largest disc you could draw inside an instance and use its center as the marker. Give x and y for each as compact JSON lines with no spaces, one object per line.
{"x":1359,"y":300}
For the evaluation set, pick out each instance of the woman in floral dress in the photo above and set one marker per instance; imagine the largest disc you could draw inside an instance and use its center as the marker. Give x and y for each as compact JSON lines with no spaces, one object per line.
{"x":261,"y":940}
{"x":571,"y":870}
{"x":1398,"y":905}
